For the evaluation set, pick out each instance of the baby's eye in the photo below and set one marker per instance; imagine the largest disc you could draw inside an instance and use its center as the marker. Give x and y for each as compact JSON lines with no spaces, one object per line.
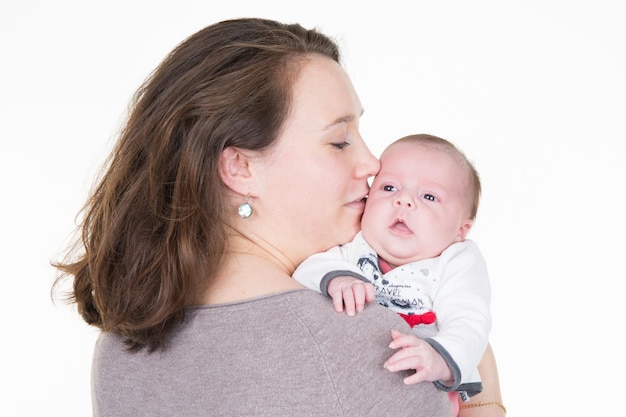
{"x":389,"y":188}
{"x":341,"y":145}
{"x":429,"y":197}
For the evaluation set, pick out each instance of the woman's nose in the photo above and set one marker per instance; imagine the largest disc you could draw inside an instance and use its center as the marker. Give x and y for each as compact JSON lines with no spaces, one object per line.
{"x":371,"y":164}
{"x":368,"y":164}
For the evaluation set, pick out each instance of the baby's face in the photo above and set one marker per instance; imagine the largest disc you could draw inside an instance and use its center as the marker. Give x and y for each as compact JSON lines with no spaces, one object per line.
{"x":418,"y":204}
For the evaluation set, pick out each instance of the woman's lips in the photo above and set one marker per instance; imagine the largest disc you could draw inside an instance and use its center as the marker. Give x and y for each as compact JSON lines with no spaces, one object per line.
{"x":358,"y":204}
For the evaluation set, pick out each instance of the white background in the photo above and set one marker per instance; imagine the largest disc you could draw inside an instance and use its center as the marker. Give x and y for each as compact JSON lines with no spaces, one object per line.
{"x":533,"y":91}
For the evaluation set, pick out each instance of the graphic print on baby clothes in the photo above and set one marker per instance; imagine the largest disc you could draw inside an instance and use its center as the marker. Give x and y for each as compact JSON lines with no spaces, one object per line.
{"x":368,"y":264}
{"x":406,"y":291}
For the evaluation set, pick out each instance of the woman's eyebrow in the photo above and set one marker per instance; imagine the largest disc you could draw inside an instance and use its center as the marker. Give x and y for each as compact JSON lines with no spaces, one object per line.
{"x":343,"y":119}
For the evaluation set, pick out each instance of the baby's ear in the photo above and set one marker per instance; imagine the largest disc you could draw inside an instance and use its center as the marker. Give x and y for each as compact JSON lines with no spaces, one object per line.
{"x":464,"y":229}
{"x":234,"y":170}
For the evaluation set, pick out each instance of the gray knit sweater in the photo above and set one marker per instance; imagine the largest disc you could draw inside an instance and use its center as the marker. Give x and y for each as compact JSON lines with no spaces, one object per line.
{"x":288,"y":354}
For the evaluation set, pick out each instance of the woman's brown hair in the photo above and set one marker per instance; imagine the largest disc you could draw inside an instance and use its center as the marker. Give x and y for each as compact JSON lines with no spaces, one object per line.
{"x":153,"y":230}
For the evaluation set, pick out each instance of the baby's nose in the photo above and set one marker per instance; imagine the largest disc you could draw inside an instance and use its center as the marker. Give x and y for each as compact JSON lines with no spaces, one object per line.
{"x":404,"y":201}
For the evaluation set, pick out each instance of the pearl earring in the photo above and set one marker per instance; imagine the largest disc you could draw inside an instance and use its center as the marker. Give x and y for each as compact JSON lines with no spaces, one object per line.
{"x":245,"y":209}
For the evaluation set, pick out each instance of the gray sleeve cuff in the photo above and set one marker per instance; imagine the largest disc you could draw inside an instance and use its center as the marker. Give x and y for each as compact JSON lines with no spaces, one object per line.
{"x":456,"y":371}
{"x":333,"y":274}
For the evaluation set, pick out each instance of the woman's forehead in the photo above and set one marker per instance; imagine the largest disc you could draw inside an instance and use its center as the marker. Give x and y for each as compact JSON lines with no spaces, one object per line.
{"x":323,"y":94}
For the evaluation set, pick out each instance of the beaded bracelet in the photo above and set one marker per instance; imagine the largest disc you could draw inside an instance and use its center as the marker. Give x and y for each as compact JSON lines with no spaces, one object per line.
{"x":482,"y":403}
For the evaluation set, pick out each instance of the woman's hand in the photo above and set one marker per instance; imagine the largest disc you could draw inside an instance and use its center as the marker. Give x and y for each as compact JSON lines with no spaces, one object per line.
{"x":417,"y":354}
{"x":351,"y":293}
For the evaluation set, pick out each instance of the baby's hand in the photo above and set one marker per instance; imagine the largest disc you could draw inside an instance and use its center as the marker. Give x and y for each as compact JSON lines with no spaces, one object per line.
{"x":351,"y":293}
{"x":417,"y":354}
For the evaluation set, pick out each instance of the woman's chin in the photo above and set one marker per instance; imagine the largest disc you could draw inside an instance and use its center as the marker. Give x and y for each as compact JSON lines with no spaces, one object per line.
{"x":349,"y":234}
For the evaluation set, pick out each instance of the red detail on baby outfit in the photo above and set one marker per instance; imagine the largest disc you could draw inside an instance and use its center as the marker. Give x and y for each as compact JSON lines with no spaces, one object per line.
{"x":415,"y":319}
{"x":412,"y":319}
{"x":384,"y":266}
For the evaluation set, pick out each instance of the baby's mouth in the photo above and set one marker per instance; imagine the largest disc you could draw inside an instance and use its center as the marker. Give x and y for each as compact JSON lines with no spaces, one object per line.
{"x":399,"y":226}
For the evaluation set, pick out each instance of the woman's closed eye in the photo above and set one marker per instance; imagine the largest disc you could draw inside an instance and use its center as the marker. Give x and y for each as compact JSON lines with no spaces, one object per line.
{"x":341,"y":145}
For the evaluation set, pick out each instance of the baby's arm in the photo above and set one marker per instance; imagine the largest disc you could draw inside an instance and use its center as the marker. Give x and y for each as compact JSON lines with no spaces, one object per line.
{"x":419,"y":355}
{"x":335,"y":274}
{"x":351,"y":293}
{"x":462,"y":304}
{"x":317,"y":270}
{"x":332,"y":274}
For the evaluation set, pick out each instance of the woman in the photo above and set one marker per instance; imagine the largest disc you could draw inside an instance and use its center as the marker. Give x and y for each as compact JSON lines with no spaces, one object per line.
{"x":241,"y":156}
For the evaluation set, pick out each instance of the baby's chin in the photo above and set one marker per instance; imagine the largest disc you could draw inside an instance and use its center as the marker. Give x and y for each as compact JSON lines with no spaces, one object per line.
{"x":398,"y":261}
{"x":399,"y":256}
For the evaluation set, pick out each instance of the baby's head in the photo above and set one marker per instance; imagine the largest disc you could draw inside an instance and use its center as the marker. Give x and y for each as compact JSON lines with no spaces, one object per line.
{"x":424,"y":199}
{"x":473,"y":187}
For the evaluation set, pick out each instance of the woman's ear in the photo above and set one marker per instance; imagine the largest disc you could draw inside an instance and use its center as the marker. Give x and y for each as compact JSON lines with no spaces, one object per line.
{"x":234,"y":169}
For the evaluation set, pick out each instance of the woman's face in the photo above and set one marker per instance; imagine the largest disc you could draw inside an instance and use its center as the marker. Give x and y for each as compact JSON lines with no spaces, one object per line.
{"x":314,"y":179}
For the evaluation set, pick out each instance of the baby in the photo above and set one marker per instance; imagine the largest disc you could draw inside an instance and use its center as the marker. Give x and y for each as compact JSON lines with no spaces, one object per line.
{"x":412,"y":256}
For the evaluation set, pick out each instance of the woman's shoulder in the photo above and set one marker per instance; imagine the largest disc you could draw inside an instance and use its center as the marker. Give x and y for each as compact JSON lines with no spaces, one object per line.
{"x":353,"y":350}
{"x":313,"y":307}
{"x":311,"y":360}
{"x":315,"y":310}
